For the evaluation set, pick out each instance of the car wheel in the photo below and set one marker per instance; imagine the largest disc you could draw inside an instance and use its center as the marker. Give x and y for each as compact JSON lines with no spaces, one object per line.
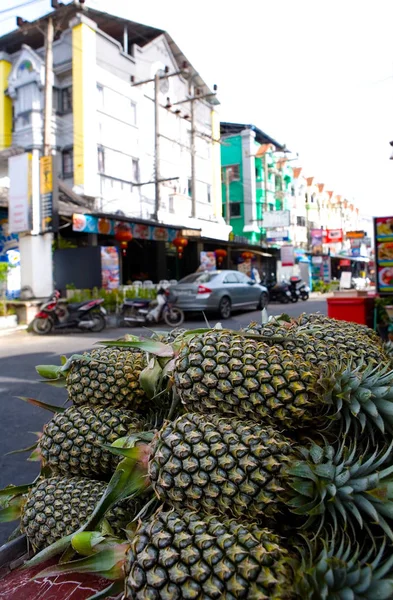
{"x":224,"y":308}
{"x":263,"y":301}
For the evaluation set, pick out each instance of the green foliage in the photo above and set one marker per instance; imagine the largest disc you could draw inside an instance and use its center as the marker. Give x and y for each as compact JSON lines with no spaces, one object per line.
{"x":382,"y":315}
{"x":321,"y":286}
{"x":113,"y":299}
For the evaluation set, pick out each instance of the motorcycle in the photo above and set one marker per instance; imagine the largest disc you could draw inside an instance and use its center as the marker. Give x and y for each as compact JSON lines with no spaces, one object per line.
{"x":87,"y":315}
{"x":298,"y":289}
{"x":138,"y":310}
{"x":278,"y":292}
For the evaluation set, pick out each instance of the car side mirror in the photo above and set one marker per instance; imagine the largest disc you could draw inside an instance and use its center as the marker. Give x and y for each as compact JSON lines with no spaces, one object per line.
{"x":251,"y":282}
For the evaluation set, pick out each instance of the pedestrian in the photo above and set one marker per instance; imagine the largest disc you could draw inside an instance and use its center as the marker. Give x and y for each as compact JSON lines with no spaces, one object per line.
{"x":255,"y":275}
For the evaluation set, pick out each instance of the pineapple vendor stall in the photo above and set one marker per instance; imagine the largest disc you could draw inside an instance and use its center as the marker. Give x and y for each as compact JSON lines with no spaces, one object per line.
{"x":252,"y":464}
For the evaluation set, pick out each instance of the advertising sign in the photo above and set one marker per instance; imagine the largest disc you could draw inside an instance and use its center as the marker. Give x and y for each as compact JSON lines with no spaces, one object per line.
{"x":140,"y":231}
{"x":110,"y":270}
{"x":316,"y":241}
{"x":20,"y":193}
{"x":46,"y":192}
{"x":207,"y":261}
{"x":333,"y":236}
{"x":276,"y":218}
{"x":287,"y":254}
{"x":383,"y":231}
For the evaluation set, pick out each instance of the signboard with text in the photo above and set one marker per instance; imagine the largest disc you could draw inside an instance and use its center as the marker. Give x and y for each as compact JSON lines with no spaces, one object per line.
{"x":276,"y":218}
{"x":383,"y":232}
{"x":140,"y":231}
{"x":287,"y":255}
{"x":20,"y":193}
{"x":46,"y":192}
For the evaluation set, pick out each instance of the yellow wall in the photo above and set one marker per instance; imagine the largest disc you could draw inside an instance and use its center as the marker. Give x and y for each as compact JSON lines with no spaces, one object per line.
{"x":216,"y":164}
{"x":83,"y":99}
{"x":5,"y":106}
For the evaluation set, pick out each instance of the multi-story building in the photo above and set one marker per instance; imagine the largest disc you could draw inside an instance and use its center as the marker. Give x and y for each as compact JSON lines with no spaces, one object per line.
{"x":257,"y":179}
{"x":115,"y":137}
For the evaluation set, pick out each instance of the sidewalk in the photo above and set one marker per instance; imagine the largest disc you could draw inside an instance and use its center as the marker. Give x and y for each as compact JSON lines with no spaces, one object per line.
{"x":9,"y":331}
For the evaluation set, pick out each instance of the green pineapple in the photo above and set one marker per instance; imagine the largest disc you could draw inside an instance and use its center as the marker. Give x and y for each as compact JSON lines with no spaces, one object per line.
{"x":73,"y":441}
{"x":58,"y":506}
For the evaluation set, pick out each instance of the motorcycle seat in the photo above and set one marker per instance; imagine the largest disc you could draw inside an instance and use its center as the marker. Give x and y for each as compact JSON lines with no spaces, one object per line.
{"x":72,"y":306}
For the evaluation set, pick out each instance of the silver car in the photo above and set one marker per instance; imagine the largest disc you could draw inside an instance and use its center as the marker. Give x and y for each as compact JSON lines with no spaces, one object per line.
{"x":219,"y":291}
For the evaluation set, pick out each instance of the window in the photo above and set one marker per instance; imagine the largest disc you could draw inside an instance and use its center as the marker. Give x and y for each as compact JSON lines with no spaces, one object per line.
{"x":234,"y":209}
{"x":293,"y":190}
{"x":100,"y":96}
{"x":278,"y":183}
{"x":189,"y":187}
{"x":67,"y":157}
{"x":101,"y":159}
{"x":198,"y":278}
{"x":233,"y":173}
{"x":133,"y":113}
{"x":301,"y":221}
{"x":209,"y":193}
{"x":242,"y":277}
{"x":231,"y":278}
{"x":135,"y":170}
{"x":66,"y":100}
{"x":24,"y":119}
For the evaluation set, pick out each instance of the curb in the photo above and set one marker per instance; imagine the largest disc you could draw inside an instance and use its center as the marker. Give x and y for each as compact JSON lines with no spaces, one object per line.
{"x":11,"y":330}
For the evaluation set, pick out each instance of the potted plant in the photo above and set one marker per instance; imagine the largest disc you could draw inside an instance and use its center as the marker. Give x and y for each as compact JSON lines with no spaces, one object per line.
{"x":8,"y":318}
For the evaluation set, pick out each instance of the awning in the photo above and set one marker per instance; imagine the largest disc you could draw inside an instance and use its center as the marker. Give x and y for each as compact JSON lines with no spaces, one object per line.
{"x":255,"y":252}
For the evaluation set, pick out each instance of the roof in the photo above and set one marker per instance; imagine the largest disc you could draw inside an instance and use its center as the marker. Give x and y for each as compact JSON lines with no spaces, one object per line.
{"x":260,"y":136}
{"x":110,"y":24}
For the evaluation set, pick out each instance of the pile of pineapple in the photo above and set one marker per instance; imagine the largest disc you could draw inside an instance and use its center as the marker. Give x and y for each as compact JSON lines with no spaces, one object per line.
{"x":254,"y":464}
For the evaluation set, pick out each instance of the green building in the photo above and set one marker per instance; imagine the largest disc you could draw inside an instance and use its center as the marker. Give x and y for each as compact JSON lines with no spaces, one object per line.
{"x":256,"y":178}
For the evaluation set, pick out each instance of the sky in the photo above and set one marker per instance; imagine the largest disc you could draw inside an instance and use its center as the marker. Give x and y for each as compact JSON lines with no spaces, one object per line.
{"x":316,"y":75}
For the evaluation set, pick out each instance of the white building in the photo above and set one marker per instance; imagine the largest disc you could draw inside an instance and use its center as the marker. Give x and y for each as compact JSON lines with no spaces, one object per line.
{"x":103,"y":125}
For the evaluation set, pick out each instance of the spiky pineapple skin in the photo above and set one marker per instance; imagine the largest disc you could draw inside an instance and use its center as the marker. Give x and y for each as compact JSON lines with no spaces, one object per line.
{"x":228,"y":374}
{"x":72,"y":442}
{"x":220,"y":465}
{"x":58,"y":506}
{"x":111,"y":379}
{"x":181,"y":554}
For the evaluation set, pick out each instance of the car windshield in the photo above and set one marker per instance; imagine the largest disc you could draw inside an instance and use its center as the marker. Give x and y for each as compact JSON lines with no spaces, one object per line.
{"x":198,"y":278}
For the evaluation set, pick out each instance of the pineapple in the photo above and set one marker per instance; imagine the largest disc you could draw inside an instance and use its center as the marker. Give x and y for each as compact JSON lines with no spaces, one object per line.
{"x":181,"y":554}
{"x":72,"y":441}
{"x":233,"y":375}
{"x":216,"y":465}
{"x":102,"y":377}
{"x":58,"y":506}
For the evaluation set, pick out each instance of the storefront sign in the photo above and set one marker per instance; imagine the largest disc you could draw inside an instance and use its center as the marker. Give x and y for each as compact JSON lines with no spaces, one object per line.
{"x":355,"y":235}
{"x":383,"y":231}
{"x":275,"y":235}
{"x":20,"y":193}
{"x":316,"y":241}
{"x":140,"y":231}
{"x":276,"y":218}
{"x":287,"y":254}
{"x":333,"y":236}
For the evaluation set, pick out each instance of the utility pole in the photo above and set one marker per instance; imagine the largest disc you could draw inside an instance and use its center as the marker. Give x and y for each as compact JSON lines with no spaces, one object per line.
{"x":48,"y":105}
{"x":156,"y":145}
{"x":193,"y":156}
{"x":158,"y":77}
{"x":192,"y":100}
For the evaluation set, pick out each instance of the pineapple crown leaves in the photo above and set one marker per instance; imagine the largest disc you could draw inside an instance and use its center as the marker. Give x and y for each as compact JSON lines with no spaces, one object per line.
{"x":329,"y":485}
{"x":343,"y":569}
{"x":56,"y":375}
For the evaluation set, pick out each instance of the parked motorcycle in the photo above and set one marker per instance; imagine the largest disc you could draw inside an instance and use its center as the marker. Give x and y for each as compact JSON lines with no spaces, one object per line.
{"x":87,"y":315}
{"x":298,"y":289}
{"x":278,"y":292}
{"x":137,"y":310}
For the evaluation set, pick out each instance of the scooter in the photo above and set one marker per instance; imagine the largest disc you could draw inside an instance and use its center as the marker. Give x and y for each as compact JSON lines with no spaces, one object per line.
{"x":152,"y":311}
{"x":87,"y":315}
{"x":298,"y":289}
{"x":278,"y":292}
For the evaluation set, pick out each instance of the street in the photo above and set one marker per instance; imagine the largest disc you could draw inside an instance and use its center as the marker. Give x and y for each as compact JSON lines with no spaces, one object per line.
{"x":20,"y":352}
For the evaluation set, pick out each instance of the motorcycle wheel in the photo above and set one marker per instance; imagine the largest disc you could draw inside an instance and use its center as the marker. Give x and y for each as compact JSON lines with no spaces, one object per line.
{"x":284,"y":299}
{"x":173,"y":317}
{"x":99,"y":322}
{"x":42,"y":326}
{"x":294,"y":299}
{"x":305,"y":296}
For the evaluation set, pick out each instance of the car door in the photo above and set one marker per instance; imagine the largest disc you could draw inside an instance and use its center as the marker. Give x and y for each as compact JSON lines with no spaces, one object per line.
{"x":231,"y":288}
{"x":249,"y":293}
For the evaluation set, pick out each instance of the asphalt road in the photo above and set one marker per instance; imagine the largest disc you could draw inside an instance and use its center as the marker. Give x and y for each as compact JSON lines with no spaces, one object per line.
{"x":21,"y":351}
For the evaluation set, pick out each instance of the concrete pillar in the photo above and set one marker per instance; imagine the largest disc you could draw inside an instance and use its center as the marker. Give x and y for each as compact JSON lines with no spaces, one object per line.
{"x":36,"y":263}
{"x":249,"y":180}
